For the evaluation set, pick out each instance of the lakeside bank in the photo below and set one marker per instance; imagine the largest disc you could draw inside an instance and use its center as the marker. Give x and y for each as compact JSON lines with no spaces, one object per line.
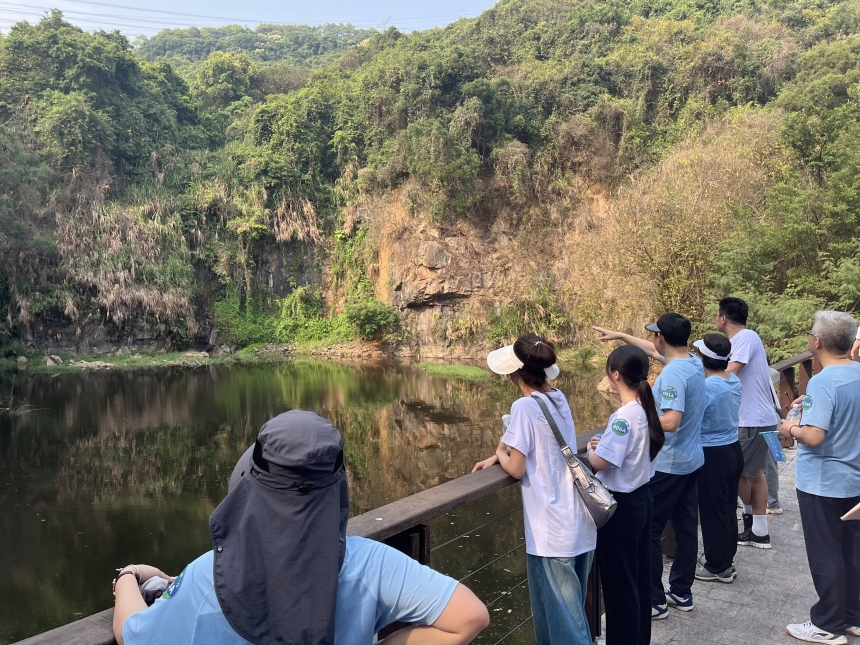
{"x":577,"y":359}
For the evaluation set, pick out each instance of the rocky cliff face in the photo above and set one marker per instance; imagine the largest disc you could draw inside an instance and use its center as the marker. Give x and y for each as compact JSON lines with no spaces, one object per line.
{"x":446,"y":280}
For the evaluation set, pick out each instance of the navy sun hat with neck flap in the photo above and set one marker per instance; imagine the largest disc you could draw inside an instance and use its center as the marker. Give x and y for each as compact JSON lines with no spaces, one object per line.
{"x":280,"y":534}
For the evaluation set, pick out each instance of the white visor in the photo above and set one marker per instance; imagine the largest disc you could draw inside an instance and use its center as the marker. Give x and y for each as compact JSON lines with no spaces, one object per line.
{"x":504,"y":361}
{"x":700,"y":345}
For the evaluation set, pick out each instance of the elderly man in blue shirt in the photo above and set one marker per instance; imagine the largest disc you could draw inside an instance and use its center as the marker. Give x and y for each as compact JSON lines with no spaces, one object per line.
{"x":828,"y":481}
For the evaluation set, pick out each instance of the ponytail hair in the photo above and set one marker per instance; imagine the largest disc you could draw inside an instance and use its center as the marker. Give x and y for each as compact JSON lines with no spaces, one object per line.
{"x":536,"y":354}
{"x":632,"y":365}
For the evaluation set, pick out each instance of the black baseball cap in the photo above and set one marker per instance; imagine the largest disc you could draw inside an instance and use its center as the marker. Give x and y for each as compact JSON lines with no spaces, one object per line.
{"x":674,"y":327}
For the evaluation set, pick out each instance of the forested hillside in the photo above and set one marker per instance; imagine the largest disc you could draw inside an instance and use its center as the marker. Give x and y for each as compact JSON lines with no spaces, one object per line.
{"x":288,"y":45}
{"x":551,"y":164}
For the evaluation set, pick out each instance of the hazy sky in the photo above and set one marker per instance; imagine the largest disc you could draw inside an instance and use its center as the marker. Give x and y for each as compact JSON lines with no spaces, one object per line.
{"x":147,"y":17}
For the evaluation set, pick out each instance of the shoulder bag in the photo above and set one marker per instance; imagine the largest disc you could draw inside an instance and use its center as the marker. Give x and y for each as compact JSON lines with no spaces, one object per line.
{"x":596,"y":497}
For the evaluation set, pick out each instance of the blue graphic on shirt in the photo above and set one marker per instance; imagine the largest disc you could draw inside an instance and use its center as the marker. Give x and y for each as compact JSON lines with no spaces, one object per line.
{"x":174,"y":587}
{"x":620,"y":427}
{"x":806,"y":402}
{"x":669,"y":393}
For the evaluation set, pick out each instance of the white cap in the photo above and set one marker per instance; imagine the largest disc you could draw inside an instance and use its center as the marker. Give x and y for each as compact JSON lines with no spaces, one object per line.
{"x":700,"y":345}
{"x":504,"y":361}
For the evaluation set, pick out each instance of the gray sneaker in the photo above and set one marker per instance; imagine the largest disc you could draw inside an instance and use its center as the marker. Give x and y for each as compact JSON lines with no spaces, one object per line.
{"x":728,"y":576}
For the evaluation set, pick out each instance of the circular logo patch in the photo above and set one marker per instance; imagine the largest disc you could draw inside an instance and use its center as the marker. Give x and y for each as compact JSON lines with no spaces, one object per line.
{"x":806,"y":402}
{"x":669,"y":393}
{"x":620,"y":427}
{"x":174,"y":586}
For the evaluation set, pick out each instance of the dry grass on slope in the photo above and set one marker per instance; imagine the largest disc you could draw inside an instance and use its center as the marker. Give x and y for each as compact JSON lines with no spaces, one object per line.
{"x":132,"y":258}
{"x":647,"y":249}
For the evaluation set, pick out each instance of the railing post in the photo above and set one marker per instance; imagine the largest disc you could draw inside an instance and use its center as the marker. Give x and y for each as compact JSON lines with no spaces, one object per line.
{"x":787,"y":388}
{"x":805,"y":375}
{"x":414,"y":542}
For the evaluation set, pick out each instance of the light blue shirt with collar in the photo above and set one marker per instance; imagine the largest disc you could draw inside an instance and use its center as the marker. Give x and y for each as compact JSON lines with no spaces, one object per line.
{"x":832,"y":403}
{"x":681,"y":387}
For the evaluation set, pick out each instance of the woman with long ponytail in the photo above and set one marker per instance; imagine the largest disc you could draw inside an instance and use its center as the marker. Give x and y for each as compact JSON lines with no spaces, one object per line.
{"x":624,"y":460}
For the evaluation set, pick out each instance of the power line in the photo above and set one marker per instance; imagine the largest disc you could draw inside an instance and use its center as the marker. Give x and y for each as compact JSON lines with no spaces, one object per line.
{"x":116,"y":23}
{"x":17,"y":9}
{"x":150,"y":24}
{"x":239,"y":20}
{"x":153,"y":24}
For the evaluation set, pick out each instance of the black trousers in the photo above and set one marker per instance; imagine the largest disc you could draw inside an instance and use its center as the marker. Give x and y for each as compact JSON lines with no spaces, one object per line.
{"x":675,"y":499}
{"x":624,"y":558}
{"x":833,"y":551}
{"x":718,"y":494}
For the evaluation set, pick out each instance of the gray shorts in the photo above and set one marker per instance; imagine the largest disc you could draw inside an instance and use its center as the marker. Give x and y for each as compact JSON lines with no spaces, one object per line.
{"x":754,"y":448}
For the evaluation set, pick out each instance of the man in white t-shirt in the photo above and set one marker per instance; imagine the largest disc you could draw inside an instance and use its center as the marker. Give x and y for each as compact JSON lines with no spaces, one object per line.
{"x":757,"y":415}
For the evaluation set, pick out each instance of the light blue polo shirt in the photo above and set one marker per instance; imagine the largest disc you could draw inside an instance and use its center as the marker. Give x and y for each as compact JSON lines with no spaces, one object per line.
{"x":377,"y":585}
{"x":681,"y":386}
{"x":832,"y":403}
{"x":722,"y":411}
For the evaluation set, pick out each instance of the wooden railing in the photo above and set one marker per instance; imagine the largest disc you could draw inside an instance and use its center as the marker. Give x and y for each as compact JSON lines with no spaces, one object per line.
{"x":400,"y":524}
{"x":793,"y":384}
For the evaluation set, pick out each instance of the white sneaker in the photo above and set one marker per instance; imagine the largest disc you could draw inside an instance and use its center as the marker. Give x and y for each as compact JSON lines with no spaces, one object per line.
{"x":811,"y":634}
{"x":778,"y":510}
{"x":853,"y":631}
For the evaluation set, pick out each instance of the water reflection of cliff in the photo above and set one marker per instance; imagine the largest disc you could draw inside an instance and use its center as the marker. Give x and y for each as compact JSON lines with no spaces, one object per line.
{"x":114,"y":466}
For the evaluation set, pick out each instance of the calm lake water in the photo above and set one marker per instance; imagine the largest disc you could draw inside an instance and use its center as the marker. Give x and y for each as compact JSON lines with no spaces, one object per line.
{"x":118,"y":467}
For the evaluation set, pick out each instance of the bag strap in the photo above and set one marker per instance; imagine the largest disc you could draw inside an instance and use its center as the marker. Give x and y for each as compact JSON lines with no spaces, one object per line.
{"x":549,"y":419}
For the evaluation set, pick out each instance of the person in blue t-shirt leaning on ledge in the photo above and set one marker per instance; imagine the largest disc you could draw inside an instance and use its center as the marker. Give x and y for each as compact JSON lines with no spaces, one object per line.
{"x":282,"y":569}
{"x":827,"y":478}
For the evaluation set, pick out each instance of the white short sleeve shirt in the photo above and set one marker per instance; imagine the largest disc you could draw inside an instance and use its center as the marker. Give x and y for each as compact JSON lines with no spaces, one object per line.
{"x":757,"y":407}
{"x":557,"y":524}
{"x":626,"y":444}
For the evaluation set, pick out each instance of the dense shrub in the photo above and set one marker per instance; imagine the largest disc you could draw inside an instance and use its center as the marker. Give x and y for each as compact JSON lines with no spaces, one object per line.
{"x":371,"y":318}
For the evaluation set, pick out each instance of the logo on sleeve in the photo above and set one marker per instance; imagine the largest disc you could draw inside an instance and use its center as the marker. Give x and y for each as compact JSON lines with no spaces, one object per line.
{"x":620,"y":427}
{"x":806,"y":402}
{"x":174,"y":587}
{"x":669,"y":393}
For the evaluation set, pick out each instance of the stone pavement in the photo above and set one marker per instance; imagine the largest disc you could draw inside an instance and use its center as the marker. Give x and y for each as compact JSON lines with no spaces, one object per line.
{"x":773,"y":588}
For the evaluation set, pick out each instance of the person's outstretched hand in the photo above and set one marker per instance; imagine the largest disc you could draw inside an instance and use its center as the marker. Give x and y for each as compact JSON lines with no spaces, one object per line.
{"x":607,"y":334}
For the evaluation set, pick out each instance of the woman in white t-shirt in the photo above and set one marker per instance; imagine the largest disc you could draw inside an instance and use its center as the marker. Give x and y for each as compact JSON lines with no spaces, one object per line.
{"x":624,"y":460}
{"x":560,"y":534}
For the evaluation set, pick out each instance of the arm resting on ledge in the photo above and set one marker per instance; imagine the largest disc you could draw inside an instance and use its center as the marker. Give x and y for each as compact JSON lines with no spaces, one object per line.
{"x":512,"y":461}
{"x":462,"y":620}
{"x":128,"y":598}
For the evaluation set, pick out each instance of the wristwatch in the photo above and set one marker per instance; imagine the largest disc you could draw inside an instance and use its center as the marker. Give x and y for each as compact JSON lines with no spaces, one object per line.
{"x":135,"y":572}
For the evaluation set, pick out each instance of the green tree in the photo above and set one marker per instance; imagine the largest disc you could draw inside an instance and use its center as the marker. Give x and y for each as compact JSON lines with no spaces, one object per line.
{"x":223,"y":78}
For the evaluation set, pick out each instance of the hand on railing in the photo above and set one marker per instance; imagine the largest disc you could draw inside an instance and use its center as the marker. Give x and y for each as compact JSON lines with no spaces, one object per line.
{"x":486,"y":463}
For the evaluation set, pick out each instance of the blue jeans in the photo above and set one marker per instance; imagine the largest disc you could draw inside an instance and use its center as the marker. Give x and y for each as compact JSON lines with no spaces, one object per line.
{"x":557,"y":589}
